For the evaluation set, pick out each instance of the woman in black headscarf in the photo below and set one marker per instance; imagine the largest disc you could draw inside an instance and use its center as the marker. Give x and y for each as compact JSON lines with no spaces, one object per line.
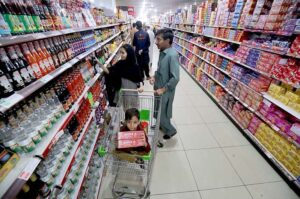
{"x":125,"y":74}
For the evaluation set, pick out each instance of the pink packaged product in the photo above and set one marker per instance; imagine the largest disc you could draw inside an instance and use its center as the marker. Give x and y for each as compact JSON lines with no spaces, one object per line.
{"x":283,"y":124}
{"x":123,"y":144}
{"x":294,"y":132}
{"x":254,"y":124}
{"x":131,"y":135}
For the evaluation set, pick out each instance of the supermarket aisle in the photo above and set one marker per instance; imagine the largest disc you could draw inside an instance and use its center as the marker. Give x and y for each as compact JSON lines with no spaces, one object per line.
{"x":209,"y":158}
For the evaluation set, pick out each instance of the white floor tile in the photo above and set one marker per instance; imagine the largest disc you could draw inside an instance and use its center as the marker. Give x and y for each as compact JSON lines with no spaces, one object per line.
{"x":182,"y":101}
{"x":186,"y":115}
{"x":201,"y":99}
{"x":211,"y":169}
{"x":172,"y":173}
{"x":226,"y":193}
{"x":196,"y":136}
{"x":250,"y":165}
{"x":275,"y":190}
{"x":186,"y":195}
{"x":212,"y":114}
{"x":227,"y":134}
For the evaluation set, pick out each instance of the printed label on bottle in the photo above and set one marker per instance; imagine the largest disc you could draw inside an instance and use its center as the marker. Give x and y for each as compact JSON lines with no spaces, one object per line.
{"x":25,"y":21}
{"x":11,"y":23}
{"x":6,"y":84}
{"x":42,"y":65}
{"x":4,"y":27}
{"x":56,"y":61}
{"x":61,"y":57}
{"x":17,"y":77}
{"x":47,"y":65}
{"x":25,"y":75}
{"x":31,"y":73}
{"x":32,"y":24}
{"x":20,"y":24}
{"x":38,"y":23}
{"x":36,"y":70}
{"x":50,"y":62}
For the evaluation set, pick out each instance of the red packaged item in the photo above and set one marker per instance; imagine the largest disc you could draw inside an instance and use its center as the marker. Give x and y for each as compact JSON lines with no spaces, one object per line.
{"x":131,"y":135}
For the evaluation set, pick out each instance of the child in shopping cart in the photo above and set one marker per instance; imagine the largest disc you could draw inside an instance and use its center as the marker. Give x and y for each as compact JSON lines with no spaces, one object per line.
{"x":138,"y":138}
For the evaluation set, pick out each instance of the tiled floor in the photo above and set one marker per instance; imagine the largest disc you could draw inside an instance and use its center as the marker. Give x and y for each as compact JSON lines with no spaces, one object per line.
{"x":209,"y":158}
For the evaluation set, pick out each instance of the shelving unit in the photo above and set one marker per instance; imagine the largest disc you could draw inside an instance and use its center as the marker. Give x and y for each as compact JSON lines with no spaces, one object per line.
{"x":7,"y":103}
{"x":14,"y":181}
{"x":281,"y":167}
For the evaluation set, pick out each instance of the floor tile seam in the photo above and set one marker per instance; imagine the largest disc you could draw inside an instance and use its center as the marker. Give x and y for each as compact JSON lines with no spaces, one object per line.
{"x":194,"y":177}
{"x":179,"y":192}
{"x":236,"y":172}
{"x":224,"y":187}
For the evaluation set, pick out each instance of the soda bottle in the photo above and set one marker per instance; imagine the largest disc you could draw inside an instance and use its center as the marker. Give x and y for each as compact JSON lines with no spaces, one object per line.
{"x":43,"y":17}
{"x":33,"y":61}
{"x":10,"y":69}
{"x":27,"y":14}
{"x":47,"y":53}
{"x":34,"y":11}
{"x":4,"y":28}
{"x":42,"y":56}
{"x":9,"y":17}
{"x":6,"y":88}
{"x":63,"y":47}
{"x":23,"y":17}
{"x":67,"y":47}
{"x":19,"y":65}
{"x":25,"y":63}
{"x":57,"y":20}
{"x":48,"y":18}
{"x":17,"y":12}
{"x":61,"y":54}
{"x":52,"y":52}
{"x":40,"y":60}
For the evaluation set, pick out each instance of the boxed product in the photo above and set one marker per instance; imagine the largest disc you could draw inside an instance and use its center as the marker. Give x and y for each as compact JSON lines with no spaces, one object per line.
{"x":131,"y":135}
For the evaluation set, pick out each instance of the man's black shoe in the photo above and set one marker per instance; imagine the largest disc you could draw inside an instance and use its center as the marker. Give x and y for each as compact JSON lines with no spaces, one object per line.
{"x":167,"y":137}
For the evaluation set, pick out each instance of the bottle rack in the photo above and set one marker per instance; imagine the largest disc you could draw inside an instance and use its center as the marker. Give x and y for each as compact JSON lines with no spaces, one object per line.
{"x":25,"y":167}
{"x":183,"y":51}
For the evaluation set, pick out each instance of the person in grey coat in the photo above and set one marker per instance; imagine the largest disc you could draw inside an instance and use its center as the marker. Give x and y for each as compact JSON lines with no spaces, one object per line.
{"x":165,"y":79}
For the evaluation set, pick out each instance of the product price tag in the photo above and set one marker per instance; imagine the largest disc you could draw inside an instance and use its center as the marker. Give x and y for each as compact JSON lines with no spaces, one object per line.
{"x":11,"y":100}
{"x":46,"y":79}
{"x":29,"y":169}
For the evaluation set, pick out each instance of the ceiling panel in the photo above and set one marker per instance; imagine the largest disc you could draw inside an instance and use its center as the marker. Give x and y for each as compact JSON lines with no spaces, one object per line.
{"x":155,"y":7}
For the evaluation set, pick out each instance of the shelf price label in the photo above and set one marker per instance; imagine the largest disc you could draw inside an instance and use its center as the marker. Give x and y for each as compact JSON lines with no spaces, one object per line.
{"x":13,"y":99}
{"x":29,"y":169}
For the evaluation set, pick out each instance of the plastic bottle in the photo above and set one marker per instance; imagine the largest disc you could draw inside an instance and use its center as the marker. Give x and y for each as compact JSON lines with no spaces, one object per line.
{"x":19,"y":65}
{"x":24,"y":62}
{"x":11,"y":70}
{"x":34,"y":11}
{"x":47,"y":54}
{"x":52,"y":51}
{"x":33,"y":61}
{"x":10,"y":18}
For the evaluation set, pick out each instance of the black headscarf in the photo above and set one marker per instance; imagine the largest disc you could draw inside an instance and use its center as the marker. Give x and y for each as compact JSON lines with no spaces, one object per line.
{"x":127,"y":69}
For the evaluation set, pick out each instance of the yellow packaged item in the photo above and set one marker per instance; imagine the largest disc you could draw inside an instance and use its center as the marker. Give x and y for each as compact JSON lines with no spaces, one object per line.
{"x":284,"y":99}
{"x":293,"y":96}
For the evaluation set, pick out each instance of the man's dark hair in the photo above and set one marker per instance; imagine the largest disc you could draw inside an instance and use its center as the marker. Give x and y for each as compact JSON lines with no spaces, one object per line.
{"x":166,"y":33}
{"x":134,"y":25}
{"x":139,"y":25}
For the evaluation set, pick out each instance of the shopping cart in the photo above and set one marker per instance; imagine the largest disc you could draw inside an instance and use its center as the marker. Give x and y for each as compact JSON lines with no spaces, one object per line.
{"x":130,"y":174}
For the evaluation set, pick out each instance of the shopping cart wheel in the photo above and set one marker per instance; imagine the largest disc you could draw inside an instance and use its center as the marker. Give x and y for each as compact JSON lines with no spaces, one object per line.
{"x":160,"y":144}
{"x":148,"y":194}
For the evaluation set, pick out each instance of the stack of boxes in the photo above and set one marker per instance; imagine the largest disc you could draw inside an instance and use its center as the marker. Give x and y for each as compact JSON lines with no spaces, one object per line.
{"x":260,"y":13}
{"x":237,"y":12}
{"x":247,"y":12}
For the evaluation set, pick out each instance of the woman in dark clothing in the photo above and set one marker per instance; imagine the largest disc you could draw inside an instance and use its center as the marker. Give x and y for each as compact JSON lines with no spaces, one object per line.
{"x":124,"y":74}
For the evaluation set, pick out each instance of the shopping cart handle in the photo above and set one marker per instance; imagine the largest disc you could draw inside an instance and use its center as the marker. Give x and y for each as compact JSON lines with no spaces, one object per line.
{"x":136,"y":90}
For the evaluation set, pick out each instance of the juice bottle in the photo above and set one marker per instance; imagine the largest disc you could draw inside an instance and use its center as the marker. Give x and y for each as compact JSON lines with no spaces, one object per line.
{"x":48,"y":18}
{"x":57,"y":20}
{"x":70,"y":53}
{"x":61,"y":53}
{"x":27,"y":17}
{"x":47,"y":54}
{"x":63,"y":47}
{"x":13,"y":5}
{"x":24,"y":62}
{"x":38,"y":57}
{"x":34,"y":11}
{"x":9,"y":17}
{"x":33,"y":61}
{"x":6,"y":88}
{"x":23,"y":17}
{"x":52,"y":51}
{"x":19,"y":65}
{"x":42,"y":56}
{"x":11,"y":70}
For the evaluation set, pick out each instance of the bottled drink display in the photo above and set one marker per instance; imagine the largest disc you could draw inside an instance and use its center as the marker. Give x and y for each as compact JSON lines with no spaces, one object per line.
{"x":24,"y":63}
{"x":30,"y":16}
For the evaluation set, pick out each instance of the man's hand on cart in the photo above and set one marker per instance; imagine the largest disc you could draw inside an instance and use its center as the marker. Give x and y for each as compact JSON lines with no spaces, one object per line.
{"x":160,"y":91}
{"x":141,"y":89}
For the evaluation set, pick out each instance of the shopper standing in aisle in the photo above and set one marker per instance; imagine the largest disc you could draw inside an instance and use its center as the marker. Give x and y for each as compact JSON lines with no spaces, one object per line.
{"x":141,"y":43}
{"x":125,"y":74}
{"x":165,"y":79}
{"x":133,"y":31}
{"x":151,"y":36}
